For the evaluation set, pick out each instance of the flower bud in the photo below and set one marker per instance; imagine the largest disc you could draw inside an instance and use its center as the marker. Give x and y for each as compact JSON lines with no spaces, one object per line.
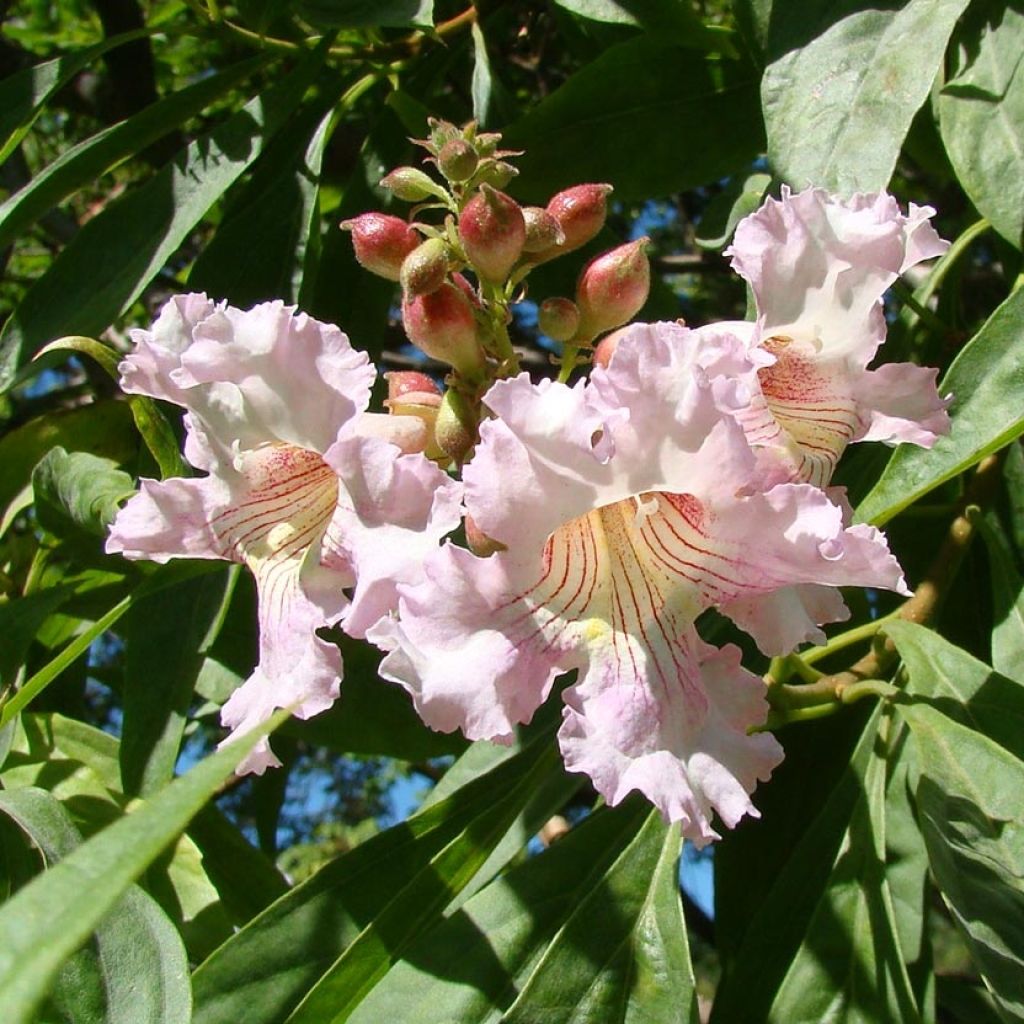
{"x":457,"y":160}
{"x":425,"y":267}
{"x":493,"y":231}
{"x":479,"y":543}
{"x":495,"y":173}
{"x":455,"y":431}
{"x":442,"y":324}
{"x":580,"y":212}
{"x":612,"y":288}
{"x":410,"y":387}
{"x":542,"y":230}
{"x":441,"y":133}
{"x":558,"y":318}
{"x":412,"y":185}
{"x":605,"y":348}
{"x":381,"y":242}
{"x":407,"y":433}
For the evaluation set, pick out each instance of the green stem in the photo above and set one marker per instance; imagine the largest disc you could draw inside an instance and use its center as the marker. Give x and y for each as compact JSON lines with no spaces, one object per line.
{"x":848,"y":639}
{"x":923,"y":312}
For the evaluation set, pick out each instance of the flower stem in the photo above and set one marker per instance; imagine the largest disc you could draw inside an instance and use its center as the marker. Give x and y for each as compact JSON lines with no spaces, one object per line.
{"x":848,"y":639}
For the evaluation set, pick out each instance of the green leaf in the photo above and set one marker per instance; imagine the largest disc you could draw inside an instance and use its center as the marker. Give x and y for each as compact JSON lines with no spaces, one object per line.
{"x":166,"y":636}
{"x":841,"y":92}
{"x":115,"y":255}
{"x":590,"y":930}
{"x":23,"y":95}
{"x":1007,"y":601}
{"x":101,"y":428}
{"x":263,"y":972}
{"x":851,"y":966}
{"x":672,"y":19}
{"x":362,"y":13}
{"x":970,"y":800}
{"x":151,"y":422}
{"x":85,"y":163}
{"x":134,"y":970}
{"x":741,"y":197}
{"x":961,"y":687}
{"x":482,"y":82}
{"x":77,"y":494}
{"x":981,"y":115}
{"x":647,"y":116}
{"x":272,"y":229}
{"x":985,"y":380}
{"x":47,"y":920}
{"x":261,"y":14}
{"x":800,"y":855}
{"x":20,"y":620}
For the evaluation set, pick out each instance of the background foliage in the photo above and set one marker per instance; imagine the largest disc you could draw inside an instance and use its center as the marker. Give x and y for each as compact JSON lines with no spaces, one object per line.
{"x":209,"y":146}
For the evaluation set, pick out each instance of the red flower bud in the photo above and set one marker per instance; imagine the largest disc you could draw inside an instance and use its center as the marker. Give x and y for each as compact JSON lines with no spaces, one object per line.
{"x":542,"y":230}
{"x":479,"y":543}
{"x":442,"y":324}
{"x":612,"y":288}
{"x":558,"y":318}
{"x":381,"y":242}
{"x":580,"y":212}
{"x":493,"y":231}
{"x":455,"y":431}
{"x":605,"y":348}
{"x":411,"y":386}
{"x":425,"y":267}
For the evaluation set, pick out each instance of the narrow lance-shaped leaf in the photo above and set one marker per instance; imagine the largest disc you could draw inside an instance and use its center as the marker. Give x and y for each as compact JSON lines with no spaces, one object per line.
{"x":116,"y":254}
{"x":841,"y":92}
{"x":986,"y":381}
{"x":1007,"y":601}
{"x":134,"y":970}
{"x":83,"y":164}
{"x":47,"y":920}
{"x":361,"y":13}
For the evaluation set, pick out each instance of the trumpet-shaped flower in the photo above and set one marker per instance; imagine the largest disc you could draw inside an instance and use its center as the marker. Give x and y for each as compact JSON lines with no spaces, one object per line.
{"x":274,"y":401}
{"x":818,"y":267}
{"x":628,"y":505}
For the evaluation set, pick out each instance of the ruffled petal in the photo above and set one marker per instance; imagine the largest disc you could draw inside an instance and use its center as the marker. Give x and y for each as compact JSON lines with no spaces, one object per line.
{"x":679,"y":737}
{"x":901,"y":403}
{"x":392,"y":512}
{"x":781,"y":620}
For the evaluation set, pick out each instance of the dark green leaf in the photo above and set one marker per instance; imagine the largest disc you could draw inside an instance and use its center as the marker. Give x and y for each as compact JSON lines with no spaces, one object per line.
{"x":840,"y":92}
{"x":360,"y":13}
{"x":970,"y":800}
{"x":960,"y":686}
{"x":964,"y":1002}
{"x":741,"y":197}
{"x":981,"y":114}
{"x":101,"y":428}
{"x":83,"y":164}
{"x":1007,"y":601}
{"x":23,"y":95}
{"x":116,"y":254}
{"x":590,"y":930}
{"x":986,"y":379}
{"x":47,"y":920}
{"x":850,"y":966}
{"x":264,"y":971}
{"x":261,"y":14}
{"x":134,"y":970}
{"x":20,"y":620}
{"x":77,"y":494}
{"x":272,"y":229}
{"x":649,"y":117}
{"x":166,"y":636}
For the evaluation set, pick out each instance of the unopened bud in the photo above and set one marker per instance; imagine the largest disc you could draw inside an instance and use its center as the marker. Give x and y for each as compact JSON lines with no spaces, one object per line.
{"x":442,"y":324}
{"x":605,"y":348}
{"x":412,"y":185}
{"x":457,"y":160}
{"x":542,"y":230}
{"x":381,"y":242}
{"x":456,"y":429}
{"x":407,"y":433}
{"x":612,"y":288}
{"x":410,"y":387}
{"x":479,"y":543}
{"x":441,"y":133}
{"x":558,"y":318}
{"x":497,"y":174}
{"x":580,"y":212}
{"x":493,"y":231}
{"x":425,"y":267}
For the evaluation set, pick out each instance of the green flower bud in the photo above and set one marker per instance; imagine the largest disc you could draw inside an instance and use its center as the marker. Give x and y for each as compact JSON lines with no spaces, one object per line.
{"x":425,"y":267}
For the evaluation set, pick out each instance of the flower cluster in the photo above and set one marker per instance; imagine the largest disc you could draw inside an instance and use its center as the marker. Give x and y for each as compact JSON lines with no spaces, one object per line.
{"x":689,"y":470}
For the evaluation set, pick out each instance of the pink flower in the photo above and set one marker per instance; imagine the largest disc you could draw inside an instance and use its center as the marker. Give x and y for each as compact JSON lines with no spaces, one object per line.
{"x":294,"y":491}
{"x":628,"y":505}
{"x":818,"y":267}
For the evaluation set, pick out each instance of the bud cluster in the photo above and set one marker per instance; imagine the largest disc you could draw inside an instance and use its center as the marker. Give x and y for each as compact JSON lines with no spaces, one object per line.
{"x":475,"y":227}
